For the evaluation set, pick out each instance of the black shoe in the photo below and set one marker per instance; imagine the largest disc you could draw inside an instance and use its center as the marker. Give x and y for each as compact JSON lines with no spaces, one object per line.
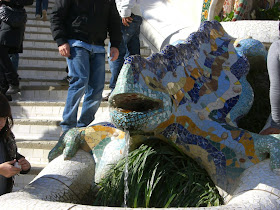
{"x":106,"y":97}
{"x":66,"y":79}
{"x":13,"y":89}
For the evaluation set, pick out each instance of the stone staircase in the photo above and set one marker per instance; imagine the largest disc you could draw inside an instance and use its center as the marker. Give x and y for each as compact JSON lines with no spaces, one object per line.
{"x":37,"y":111}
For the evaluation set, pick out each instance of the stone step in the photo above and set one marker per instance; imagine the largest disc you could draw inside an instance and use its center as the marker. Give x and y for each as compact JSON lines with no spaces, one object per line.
{"x":36,"y":152}
{"x":44,"y":93}
{"x":39,"y":45}
{"x":37,"y":62}
{"x":37,"y":29}
{"x":42,"y":82}
{"x":39,"y":23}
{"x":42,"y":72}
{"x":46,"y":110}
{"x":50,"y":82}
{"x":35,"y":129}
{"x":49,"y":73}
{"x":48,"y":129}
{"x":46,"y":37}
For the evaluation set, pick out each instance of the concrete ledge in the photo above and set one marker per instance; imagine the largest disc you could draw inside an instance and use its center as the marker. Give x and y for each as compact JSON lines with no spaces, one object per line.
{"x":35,"y":144}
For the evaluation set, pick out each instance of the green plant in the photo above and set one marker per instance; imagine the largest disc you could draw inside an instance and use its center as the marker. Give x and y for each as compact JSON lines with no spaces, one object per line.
{"x":227,"y":18}
{"x":269,"y":14}
{"x":159,"y":176}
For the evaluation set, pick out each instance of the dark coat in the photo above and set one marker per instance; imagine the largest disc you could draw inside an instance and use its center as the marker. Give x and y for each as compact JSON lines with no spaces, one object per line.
{"x":10,"y":36}
{"x":86,"y":20}
{"x":11,"y":151}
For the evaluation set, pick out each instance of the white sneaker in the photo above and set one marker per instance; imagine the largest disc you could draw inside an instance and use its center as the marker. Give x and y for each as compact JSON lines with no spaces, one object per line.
{"x":38,"y":17}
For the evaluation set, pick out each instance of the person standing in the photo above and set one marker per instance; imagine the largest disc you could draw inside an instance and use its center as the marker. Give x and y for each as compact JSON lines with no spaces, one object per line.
{"x":11,"y":162}
{"x":80,"y":28}
{"x":131,"y":19}
{"x":41,"y":9}
{"x":11,"y":38}
{"x":273,"y":67}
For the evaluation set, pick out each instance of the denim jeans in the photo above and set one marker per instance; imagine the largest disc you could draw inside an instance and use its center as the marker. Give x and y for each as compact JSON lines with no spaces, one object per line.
{"x":130,"y":45}
{"x":87,"y":78}
{"x":41,"y":5}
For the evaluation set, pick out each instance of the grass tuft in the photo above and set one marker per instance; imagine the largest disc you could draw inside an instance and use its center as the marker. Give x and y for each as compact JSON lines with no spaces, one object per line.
{"x":159,"y":176}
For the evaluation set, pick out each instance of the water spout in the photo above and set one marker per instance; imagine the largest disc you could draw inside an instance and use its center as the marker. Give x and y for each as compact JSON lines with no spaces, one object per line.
{"x":126,"y":189}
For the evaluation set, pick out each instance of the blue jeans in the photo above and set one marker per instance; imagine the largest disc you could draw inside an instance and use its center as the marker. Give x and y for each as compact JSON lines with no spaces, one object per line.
{"x":41,"y":5}
{"x":14,"y":58}
{"x":130,"y":45}
{"x":87,"y":73}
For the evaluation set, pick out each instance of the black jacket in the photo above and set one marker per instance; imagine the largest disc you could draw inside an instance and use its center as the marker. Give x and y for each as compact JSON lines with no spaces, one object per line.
{"x":10,"y":36}
{"x":11,"y":154}
{"x":86,"y":20}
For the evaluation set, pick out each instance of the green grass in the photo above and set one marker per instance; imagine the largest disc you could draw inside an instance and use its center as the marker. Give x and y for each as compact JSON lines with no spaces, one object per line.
{"x":159,"y":176}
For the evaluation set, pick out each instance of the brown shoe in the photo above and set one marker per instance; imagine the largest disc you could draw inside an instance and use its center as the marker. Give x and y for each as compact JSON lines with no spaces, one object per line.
{"x":44,"y":15}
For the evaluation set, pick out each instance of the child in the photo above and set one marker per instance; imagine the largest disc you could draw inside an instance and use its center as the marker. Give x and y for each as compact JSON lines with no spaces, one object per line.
{"x":11,"y":162}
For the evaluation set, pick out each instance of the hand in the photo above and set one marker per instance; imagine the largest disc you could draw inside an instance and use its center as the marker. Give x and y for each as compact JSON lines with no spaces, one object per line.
{"x":126,"y":21}
{"x":114,"y":53}
{"x":8,"y":170}
{"x":64,"y":50}
{"x":25,"y":165}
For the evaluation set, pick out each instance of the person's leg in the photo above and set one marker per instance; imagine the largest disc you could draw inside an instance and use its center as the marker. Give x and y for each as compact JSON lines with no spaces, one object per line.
{"x":45,"y":4}
{"x":115,"y":66}
{"x":15,"y":59}
{"x":94,"y":89}
{"x":7,"y":68}
{"x":130,"y":45}
{"x":44,"y":9}
{"x":38,"y":12}
{"x":79,"y":67}
{"x":132,"y":40}
{"x":273,"y":66}
{"x":4,"y":86}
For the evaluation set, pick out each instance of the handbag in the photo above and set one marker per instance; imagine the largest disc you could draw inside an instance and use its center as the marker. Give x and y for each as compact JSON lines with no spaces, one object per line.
{"x":15,"y":17}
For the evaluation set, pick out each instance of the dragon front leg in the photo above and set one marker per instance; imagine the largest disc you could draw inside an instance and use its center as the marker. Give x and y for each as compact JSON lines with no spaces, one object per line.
{"x":68,"y":144}
{"x":268,"y":144}
{"x":86,"y":138}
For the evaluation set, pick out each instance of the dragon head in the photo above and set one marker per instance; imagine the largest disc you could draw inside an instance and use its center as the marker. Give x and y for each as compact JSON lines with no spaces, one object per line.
{"x":139,"y":102}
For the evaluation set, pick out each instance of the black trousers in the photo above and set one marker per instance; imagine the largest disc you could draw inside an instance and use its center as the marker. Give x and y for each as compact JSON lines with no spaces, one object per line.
{"x":8,"y":75}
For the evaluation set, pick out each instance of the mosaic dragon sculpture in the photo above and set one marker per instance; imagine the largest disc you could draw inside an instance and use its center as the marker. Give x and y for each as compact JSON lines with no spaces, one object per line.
{"x":190,"y":95}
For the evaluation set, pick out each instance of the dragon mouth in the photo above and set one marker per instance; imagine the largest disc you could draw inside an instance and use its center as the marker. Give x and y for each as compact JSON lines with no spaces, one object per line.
{"x":133,"y":111}
{"x":134,"y":103}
